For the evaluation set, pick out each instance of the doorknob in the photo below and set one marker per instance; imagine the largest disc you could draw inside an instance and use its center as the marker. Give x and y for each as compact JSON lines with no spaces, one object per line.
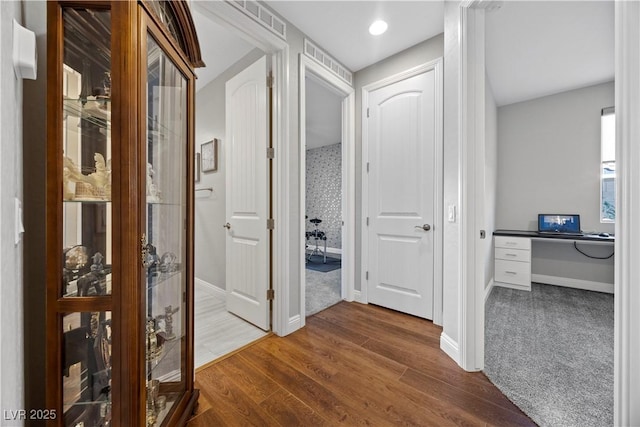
{"x":425,"y":227}
{"x":227,"y":226}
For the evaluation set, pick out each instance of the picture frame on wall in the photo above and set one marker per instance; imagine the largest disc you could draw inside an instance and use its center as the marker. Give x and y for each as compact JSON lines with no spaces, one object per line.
{"x":209,"y":155}
{"x":196,"y":169}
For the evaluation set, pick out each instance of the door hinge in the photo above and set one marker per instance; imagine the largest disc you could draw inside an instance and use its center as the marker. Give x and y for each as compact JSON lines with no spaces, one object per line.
{"x":367,"y":220}
{"x":367,"y":166}
{"x":367,"y":112}
{"x":270,"y":80}
{"x":271,"y":224}
{"x":366,"y":276}
{"x":271,"y":294}
{"x":271,"y":153}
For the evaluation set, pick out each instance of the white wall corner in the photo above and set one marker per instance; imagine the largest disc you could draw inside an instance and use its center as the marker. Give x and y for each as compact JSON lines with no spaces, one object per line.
{"x":450,"y":347}
{"x":627,"y":247}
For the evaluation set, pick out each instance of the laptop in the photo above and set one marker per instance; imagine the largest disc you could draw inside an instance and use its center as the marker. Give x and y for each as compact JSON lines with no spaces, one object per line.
{"x":559,"y":224}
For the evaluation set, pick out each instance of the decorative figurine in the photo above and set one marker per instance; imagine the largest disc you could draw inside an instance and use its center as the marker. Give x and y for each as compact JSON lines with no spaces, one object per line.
{"x":150,"y":258}
{"x":97,"y":266}
{"x":153,"y":193}
{"x":96,"y":185}
{"x":168,"y":262}
{"x":155,"y":342}
{"x":169,"y":311}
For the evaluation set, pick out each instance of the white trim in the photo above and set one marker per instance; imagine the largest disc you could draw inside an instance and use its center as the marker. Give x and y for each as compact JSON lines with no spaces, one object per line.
{"x":210,"y":286}
{"x":627,"y":246}
{"x":262,"y":16}
{"x":450,"y":347}
{"x":471,"y":139}
{"x":331,"y":81}
{"x":568,"y":282}
{"x":357,"y":297}
{"x":232,"y":18}
{"x":437,"y":66}
{"x":295,"y":323}
{"x":488,"y":289}
{"x":326,"y":61}
{"x":241,"y":25}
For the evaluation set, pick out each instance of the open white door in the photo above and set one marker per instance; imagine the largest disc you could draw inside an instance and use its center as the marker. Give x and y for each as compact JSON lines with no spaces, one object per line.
{"x":402,"y":146}
{"x":247,"y":182}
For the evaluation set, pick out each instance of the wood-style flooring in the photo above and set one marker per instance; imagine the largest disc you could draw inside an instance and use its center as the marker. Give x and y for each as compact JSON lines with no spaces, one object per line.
{"x":352,"y":364}
{"x":218,"y":332}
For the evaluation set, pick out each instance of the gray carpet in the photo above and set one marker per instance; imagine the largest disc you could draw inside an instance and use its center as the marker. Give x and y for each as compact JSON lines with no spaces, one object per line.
{"x":322,"y":290}
{"x":550,"y":351}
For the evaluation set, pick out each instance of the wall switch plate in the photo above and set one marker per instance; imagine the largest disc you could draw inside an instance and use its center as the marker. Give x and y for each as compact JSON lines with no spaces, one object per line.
{"x":451,"y":213}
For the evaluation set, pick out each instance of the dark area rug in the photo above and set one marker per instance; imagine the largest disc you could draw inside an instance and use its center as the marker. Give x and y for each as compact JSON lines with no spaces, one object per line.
{"x":316,"y":263}
{"x":550,"y":351}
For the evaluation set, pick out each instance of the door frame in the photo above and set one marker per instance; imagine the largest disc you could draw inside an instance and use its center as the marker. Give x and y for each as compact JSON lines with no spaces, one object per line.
{"x":627,"y":245}
{"x":435,"y":65}
{"x":277,"y":49}
{"x":316,"y":71}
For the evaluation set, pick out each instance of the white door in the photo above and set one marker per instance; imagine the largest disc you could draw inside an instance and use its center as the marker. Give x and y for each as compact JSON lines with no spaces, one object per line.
{"x":402,"y":142}
{"x":247,"y":194}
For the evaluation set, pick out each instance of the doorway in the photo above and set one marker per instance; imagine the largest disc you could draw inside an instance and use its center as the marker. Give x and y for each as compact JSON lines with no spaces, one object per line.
{"x":232,"y":207}
{"x":327,"y":188}
{"x":323,"y":195}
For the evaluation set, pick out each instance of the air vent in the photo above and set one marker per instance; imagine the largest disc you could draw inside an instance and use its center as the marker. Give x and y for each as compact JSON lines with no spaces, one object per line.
{"x":322,"y":58}
{"x":261,"y":15}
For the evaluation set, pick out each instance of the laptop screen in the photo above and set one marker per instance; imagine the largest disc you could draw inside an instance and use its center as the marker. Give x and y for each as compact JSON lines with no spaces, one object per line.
{"x":558,"y":223}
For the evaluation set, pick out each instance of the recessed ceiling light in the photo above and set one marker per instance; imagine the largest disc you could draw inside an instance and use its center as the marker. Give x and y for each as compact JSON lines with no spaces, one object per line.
{"x":378,"y":27}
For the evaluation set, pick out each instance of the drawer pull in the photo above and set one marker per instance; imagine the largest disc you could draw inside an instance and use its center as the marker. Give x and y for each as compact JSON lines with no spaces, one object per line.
{"x":512,"y":243}
{"x":510,"y":255}
{"x":511,"y":272}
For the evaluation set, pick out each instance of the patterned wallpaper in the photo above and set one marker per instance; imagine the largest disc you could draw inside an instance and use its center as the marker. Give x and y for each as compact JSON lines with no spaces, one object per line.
{"x":324,"y":192}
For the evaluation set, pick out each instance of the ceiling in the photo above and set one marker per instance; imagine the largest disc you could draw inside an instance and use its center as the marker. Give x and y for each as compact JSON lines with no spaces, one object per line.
{"x":533,"y":48}
{"x":342,"y":27}
{"x":220,"y":48}
{"x":538,"y":48}
{"x":323,"y":115}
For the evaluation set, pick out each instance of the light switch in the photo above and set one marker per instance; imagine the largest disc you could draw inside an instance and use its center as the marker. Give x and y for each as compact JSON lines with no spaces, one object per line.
{"x":451,"y":214}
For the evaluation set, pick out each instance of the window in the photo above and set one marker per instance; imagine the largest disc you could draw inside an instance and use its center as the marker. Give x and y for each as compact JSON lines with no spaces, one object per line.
{"x":608,"y":166}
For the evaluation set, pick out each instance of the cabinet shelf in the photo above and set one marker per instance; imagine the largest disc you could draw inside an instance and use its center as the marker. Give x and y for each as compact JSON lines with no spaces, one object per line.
{"x":156,"y":279}
{"x":95,"y":111}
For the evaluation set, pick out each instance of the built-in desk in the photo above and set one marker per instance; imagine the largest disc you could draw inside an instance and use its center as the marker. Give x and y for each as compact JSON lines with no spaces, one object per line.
{"x":513,"y":253}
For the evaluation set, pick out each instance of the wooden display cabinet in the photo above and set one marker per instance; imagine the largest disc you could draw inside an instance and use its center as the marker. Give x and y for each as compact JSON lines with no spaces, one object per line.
{"x":120,"y":129}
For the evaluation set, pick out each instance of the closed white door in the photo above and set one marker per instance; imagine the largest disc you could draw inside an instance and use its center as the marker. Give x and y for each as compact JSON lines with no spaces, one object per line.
{"x":247,"y":189}
{"x":402,"y":141}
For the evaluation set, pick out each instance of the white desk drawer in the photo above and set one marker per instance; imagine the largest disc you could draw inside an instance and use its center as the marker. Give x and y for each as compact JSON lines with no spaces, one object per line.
{"x":518,"y":273}
{"x":513,"y":242}
{"x":521,"y":255}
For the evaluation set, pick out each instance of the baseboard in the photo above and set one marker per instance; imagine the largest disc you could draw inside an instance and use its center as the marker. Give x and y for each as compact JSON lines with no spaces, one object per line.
{"x":450,"y":347}
{"x":210,"y":286}
{"x":512,"y":286}
{"x":358,"y":296}
{"x":573,"y":283}
{"x":335,"y":251}
{"x":488,"y":289}
{"x":295,"y":323}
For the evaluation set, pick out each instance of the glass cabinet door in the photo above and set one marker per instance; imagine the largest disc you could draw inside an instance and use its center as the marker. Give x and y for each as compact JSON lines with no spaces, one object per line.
{"x":166,"y":232}
{"x":86,"y":216}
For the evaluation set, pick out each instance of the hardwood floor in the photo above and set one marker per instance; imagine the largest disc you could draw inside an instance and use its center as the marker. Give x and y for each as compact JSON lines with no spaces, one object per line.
{"x":352,"y":364}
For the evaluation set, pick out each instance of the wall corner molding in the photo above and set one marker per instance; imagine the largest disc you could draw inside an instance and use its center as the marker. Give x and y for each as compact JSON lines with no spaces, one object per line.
{"x":450,"y":347}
